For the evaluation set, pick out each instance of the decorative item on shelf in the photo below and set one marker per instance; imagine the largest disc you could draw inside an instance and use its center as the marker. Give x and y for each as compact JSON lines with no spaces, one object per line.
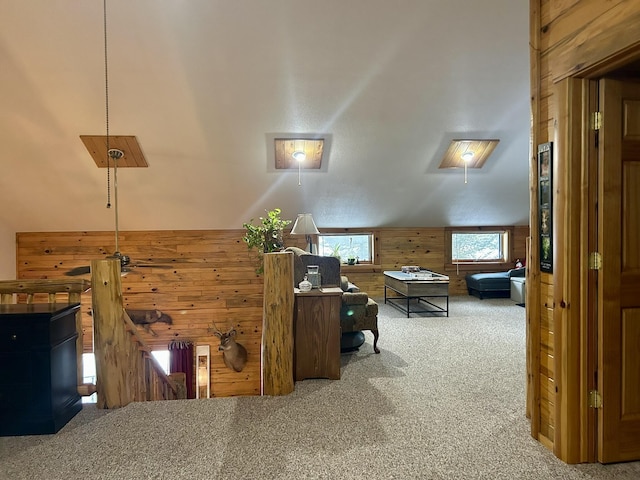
{"x":305,"y":226}
{"x":305,"y":285}
{"x":352,"y":261}
{"x":203,"y":372}
{"x":410,"y":268}
{"x":313,"y":274}
{"x":265,"y":237}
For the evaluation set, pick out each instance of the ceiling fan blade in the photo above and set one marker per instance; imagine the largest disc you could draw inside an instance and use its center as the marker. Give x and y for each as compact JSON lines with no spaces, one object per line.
{"x":83,"y":270}
{"x":151,"y":265}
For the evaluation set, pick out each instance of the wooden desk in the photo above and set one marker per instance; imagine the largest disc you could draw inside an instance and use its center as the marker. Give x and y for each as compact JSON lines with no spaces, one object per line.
{"x":316,"y":328}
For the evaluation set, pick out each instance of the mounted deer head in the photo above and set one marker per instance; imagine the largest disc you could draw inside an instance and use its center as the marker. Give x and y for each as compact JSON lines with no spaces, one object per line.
{"x":233,"y":353}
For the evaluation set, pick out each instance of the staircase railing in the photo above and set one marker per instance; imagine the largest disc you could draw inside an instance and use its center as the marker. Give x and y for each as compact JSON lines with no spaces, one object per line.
{"x":146,"y":381}
{"x":126,"y":370}
{"x":150,"y":382}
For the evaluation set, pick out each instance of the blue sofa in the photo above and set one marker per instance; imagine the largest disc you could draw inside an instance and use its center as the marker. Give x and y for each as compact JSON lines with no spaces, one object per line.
{"x":494,"y":284}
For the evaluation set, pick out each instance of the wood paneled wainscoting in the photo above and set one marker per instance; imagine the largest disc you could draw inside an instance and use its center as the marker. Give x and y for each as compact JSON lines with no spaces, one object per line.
{"x":214,"y":280}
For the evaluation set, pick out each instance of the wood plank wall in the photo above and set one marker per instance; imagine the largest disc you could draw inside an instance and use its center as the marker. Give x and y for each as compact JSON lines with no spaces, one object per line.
{"x":582,"y":38}
{"x":218,"y":282}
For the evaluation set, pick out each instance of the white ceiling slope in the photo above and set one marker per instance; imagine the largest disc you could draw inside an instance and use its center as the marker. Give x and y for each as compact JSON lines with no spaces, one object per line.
{"x":205,"y":84}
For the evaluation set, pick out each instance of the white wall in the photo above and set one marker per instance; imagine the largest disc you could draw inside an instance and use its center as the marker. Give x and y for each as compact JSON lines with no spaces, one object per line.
{"x":7,"y":254}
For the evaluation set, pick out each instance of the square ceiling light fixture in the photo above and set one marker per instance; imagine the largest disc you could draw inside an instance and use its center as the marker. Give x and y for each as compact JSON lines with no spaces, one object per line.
{"x":313,"y":149}
{"x":468,"y":153}
{"x":97,"y":147}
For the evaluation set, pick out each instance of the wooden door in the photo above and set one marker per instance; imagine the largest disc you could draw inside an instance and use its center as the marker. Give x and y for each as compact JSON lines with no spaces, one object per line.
{"x":619,"y":277}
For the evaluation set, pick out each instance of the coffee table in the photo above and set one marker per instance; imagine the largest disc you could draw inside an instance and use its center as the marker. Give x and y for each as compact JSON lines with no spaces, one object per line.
{"x":418,"y":286}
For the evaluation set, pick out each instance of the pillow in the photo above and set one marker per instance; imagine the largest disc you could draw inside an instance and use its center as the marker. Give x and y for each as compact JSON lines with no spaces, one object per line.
{"x":297,"y":251}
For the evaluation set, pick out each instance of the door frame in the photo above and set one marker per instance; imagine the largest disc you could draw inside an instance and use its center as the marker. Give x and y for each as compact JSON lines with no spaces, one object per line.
{"x":575,"y":302}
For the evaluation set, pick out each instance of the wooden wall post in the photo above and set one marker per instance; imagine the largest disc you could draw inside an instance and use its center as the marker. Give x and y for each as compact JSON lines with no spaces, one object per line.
{"x":277,"y":324}
{"x":114,"y":372}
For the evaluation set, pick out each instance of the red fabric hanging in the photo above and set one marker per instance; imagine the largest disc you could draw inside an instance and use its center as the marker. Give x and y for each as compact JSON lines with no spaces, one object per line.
{"x":181,"y":359}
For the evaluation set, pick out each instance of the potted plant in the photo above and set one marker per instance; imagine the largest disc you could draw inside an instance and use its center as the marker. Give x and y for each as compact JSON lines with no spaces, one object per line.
{"x":266,"y":237}
{"x":352,"y":258}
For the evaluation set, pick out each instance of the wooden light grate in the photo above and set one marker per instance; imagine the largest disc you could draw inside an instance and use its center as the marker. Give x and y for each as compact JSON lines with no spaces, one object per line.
{"x":97,"y":146}
{"x":284,"y":148}
{"x":481,"y":150}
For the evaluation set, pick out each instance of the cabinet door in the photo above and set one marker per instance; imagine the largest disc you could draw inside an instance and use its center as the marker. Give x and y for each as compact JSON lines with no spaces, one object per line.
{"x":317,"y":337}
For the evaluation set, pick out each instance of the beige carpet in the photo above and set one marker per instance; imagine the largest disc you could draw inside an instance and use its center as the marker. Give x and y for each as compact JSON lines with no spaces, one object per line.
{"x":444,"y":400}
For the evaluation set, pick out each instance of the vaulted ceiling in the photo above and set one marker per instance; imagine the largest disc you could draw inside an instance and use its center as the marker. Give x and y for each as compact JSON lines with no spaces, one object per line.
{"x":206,"y":85}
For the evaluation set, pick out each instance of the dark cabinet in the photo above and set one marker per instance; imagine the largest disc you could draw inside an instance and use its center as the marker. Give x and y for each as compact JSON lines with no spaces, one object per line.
{"x":38,"y":368}
{"x":317,"y":334}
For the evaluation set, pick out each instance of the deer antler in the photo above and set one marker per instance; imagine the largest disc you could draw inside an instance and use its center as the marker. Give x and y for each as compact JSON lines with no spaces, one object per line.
{"x":214,"y":328}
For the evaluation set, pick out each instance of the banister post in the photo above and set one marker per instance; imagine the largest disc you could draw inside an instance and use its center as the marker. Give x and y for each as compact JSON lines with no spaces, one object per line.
{"x":114,"y":368}
{"x":277,"y":324}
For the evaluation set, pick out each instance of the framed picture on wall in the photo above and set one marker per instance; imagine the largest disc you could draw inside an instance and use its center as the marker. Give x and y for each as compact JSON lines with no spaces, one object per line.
{"x":545,"y":205}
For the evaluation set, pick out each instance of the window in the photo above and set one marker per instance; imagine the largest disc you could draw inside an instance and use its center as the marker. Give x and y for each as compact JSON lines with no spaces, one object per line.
{"x":479,"y":246}
{"x":163,"y":357}
{"x":89,"y":369}
{"x":358,"y":246}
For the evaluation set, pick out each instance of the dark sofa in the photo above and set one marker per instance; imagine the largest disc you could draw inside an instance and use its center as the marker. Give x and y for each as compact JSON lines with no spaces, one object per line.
{"x":493,"y":284}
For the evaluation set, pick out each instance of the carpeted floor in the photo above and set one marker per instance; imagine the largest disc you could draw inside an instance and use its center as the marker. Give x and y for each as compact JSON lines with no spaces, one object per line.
{"x":445,"y":399}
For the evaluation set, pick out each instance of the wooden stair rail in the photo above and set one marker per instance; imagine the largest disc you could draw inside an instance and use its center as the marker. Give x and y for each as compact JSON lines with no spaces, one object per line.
{"x":12,"y":291}
{"x":125,"y":369}
{"x":153,"y":383}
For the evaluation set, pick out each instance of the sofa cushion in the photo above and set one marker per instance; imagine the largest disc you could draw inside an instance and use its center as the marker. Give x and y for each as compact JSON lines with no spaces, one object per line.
{"x":328,"y":267}
{"x":359,"y":298}
{"x":485,"y":284}
{"x":489,"y":281}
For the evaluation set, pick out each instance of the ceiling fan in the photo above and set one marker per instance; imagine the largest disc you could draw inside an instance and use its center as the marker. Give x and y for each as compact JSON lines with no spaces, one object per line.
{"x":126,"y":265}
{"x":115,"y":154}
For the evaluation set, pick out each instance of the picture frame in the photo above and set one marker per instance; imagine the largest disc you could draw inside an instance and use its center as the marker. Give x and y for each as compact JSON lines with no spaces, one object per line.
{"x":545,"y":205}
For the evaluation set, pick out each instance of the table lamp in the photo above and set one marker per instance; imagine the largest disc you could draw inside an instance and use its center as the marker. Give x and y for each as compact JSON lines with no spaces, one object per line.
{"x":305,"y":226}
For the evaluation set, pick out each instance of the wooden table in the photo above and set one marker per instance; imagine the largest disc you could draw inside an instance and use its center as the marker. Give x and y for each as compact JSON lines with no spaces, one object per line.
{"x":418,"y":286}
{"x":316,"y":328}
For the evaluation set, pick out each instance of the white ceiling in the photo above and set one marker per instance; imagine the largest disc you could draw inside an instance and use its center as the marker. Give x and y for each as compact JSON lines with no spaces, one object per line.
{"x":205,"y":85}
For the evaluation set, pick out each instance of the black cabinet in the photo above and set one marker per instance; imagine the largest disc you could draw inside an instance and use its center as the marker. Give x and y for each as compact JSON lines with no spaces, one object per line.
{"x":38,"y":368}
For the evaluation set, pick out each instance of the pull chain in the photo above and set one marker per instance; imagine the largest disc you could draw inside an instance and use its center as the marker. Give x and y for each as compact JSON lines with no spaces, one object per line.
{"x":106,"y":89}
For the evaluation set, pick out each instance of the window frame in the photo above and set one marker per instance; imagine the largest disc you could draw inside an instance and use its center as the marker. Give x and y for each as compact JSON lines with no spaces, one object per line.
{"x":507,"y":250}
{"x":373,"y":240}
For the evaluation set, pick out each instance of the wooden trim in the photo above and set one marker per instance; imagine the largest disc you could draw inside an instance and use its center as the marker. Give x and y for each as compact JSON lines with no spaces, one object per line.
{"x":570,"y":369}
{"x":533,"y":313}
{"x":52,"y":285}
{"x":589,"y":243}
{"x":607,"y":42}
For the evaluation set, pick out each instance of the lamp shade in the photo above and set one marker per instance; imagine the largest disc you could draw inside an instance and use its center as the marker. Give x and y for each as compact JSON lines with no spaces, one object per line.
{"x":304,"y":225}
